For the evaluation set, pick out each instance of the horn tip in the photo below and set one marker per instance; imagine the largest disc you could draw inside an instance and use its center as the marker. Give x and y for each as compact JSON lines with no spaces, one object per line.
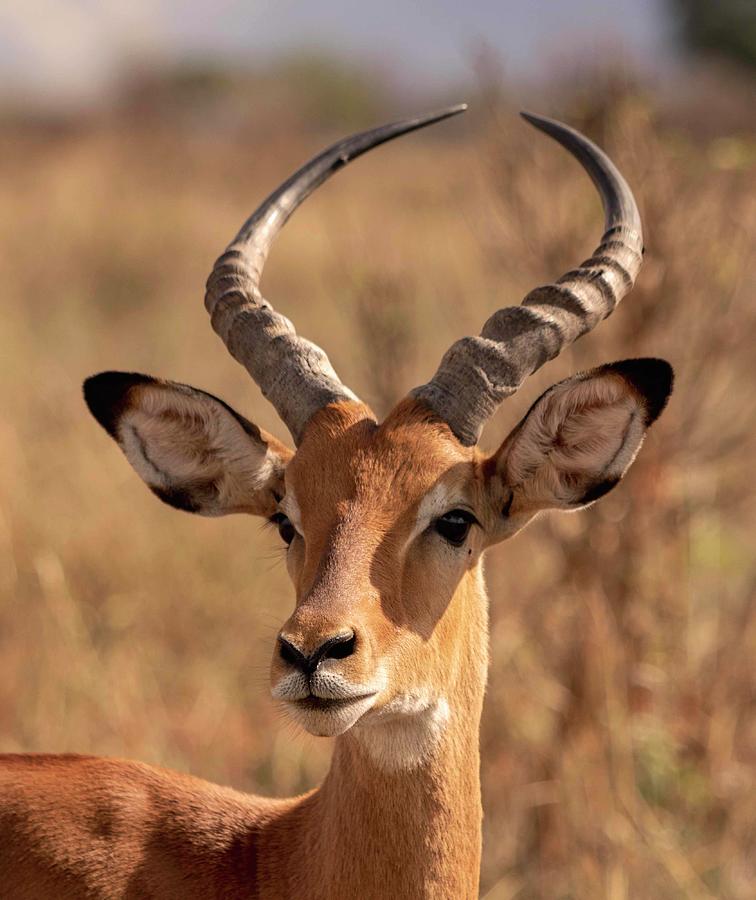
{"x":398,"y":128}
{"x":454,"y":110}
{"x":431,"y":118}
{"x":535,"y":119}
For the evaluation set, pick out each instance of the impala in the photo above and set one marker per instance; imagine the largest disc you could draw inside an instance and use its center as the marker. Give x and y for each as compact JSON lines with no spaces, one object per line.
{"x":386,"y":524}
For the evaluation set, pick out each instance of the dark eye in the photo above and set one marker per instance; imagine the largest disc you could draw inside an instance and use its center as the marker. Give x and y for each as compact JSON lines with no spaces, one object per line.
{"x":285,"y":528}
{"x":454,"y":526}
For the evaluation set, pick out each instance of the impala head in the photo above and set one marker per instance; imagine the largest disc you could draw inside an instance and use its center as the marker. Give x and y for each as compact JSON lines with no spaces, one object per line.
{"x":386,"y":522}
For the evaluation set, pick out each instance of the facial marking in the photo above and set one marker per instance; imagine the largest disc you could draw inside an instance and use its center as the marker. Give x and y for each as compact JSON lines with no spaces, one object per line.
{"x":439,"y":500}
{"x":292,"y":686}
{"x":307,"y":699}
{"x":405,"y":732}
{"x":326,"y":684}
{"x":290,"y":508}
{"x":378,"y":488}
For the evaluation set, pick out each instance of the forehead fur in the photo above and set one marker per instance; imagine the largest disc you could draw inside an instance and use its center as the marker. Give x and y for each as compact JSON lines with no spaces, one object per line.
{"x":346,"y":456}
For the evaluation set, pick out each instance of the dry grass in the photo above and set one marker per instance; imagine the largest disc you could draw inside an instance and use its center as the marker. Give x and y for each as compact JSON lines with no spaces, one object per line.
{"x":619,"y":737}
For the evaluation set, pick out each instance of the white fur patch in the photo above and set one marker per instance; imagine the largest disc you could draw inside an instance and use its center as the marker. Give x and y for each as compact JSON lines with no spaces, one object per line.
{"x":327,"y":683}
{"x":439,"y":500}
{"x":290,"y":508}
{"x":331,"y":721}
{"x":292,"y":686}
{"x":404,"y":733}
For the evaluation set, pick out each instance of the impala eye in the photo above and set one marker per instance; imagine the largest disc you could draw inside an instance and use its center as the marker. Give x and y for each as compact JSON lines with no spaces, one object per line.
{"x":454,"y":526}
{"x":285,"y":528}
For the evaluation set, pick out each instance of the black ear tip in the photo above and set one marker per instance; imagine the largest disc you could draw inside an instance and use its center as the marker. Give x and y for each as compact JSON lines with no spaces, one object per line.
{"x":652,"y":378}
{"x":105,"y":395}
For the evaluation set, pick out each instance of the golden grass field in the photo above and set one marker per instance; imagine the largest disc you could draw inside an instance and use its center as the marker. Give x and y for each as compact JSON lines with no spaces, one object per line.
{"x":619,"y":732}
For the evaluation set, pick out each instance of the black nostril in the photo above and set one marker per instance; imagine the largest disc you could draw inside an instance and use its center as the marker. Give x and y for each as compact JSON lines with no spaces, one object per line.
{"x":290,"y":654}
{"x":338,"y":647}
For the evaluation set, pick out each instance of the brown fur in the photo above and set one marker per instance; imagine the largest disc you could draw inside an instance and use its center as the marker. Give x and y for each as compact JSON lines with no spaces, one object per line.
{"x":399,"y":814}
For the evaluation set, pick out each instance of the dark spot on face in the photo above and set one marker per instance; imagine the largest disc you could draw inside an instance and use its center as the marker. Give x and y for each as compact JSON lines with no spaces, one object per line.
{"x":490,"y":467}
{"x":507,"y":505}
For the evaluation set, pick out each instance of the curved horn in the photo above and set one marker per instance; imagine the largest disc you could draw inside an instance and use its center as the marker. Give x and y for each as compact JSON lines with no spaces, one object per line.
{"x":294,"y":374}
{"x":477,"y":373}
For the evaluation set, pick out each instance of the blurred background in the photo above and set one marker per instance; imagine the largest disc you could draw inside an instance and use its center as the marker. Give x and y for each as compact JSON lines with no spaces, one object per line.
{"x":619,"y":733}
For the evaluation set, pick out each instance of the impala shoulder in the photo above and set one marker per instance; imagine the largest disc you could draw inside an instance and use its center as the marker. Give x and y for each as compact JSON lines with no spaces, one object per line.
{"x":126,"y":795}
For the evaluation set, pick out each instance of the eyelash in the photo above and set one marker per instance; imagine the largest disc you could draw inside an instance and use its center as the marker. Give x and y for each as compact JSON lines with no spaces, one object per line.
{"x":454,"y":526}
{"x":285,"y":529}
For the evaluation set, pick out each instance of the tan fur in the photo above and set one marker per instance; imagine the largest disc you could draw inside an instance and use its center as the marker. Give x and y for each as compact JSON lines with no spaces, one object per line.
{"x":399,"y":814}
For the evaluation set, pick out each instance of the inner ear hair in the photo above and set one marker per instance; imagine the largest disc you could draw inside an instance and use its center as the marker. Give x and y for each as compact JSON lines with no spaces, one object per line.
{"x":580,"y":437}
{"x":192,"y":450}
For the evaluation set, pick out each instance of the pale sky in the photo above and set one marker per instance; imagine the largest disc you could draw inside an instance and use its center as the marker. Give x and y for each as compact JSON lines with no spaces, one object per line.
{"x":72,"y":50}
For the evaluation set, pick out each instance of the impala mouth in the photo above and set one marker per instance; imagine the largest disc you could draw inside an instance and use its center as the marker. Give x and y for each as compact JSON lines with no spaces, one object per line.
{"x":328,"y":717}
{"x":326,"y":703}
{"x":329,"y":704}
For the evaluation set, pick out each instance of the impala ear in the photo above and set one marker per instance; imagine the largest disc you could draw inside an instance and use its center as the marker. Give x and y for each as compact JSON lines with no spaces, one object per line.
{"x":191,"y":449}
{"x":578,"y":439}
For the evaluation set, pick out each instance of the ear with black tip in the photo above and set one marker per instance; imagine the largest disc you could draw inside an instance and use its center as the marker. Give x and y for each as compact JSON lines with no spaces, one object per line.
{"x":578,"y":439}
{"x":191,"y":449}
{"x":652,"y":379}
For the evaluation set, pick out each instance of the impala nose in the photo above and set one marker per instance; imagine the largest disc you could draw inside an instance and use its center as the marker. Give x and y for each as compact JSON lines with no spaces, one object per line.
{"x":338,"y":646}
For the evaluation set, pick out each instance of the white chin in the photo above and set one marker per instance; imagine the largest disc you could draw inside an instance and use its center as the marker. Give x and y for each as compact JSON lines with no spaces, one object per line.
{"x":332,"y":720}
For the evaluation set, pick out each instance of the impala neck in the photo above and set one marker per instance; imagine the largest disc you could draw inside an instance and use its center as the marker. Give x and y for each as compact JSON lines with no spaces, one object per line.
{"x":399,"y":814}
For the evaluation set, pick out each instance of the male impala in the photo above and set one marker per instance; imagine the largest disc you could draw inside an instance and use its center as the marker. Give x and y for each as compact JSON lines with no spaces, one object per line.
{"x":386,"y":525}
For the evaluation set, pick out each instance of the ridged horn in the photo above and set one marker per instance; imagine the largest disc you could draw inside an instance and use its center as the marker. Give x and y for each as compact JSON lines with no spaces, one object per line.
{"x":293,"y":373}
{"x":477,"y":373}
